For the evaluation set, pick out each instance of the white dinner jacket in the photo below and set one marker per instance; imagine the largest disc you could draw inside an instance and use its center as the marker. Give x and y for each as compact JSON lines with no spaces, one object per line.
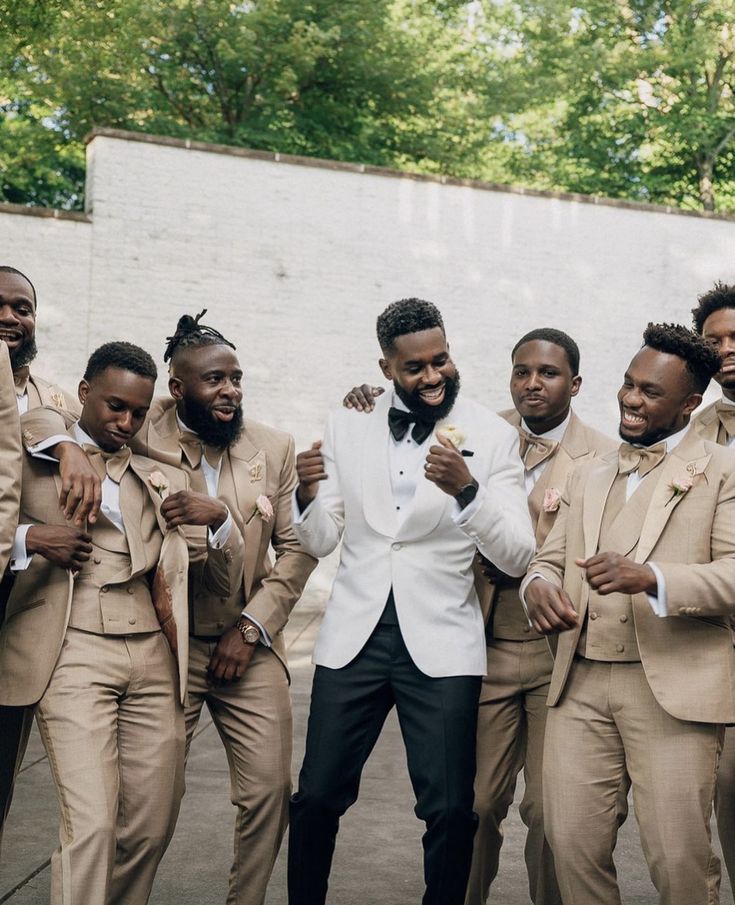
{"x":427,"y":559}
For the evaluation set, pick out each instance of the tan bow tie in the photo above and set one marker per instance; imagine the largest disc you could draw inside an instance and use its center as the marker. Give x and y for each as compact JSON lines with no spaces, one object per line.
{"x":535,"y":450}
{"x":193,"y":448}
{"x":20,"y":379}
{"x":108,"y":464}
{"x":640,"y":458}
{"x":726,"y":414}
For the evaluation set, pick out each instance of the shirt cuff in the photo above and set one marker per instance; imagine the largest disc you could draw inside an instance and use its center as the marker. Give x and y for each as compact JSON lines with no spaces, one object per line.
{"x":37,"y":449}
{"x":522,"y":591}
{"x":19,"y":558}
{"x":265,"y":638}
{"x":217,"y":539}
{"x":659,"y":603}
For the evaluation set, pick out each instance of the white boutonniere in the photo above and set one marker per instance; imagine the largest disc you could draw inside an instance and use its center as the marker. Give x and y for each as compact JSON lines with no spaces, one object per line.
{"x":552,"y":500}
{"x":159,"y":482}
{"x":456,"y":437}
{"x":263,"y":508}
{"x":681,"y":486}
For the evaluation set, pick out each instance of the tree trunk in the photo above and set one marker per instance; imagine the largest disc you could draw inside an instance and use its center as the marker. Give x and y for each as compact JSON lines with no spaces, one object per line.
{"x":705,"y":168}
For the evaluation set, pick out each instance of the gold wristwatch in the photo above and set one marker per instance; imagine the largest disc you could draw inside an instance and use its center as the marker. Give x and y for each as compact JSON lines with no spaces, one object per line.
{"x":250,"y":633}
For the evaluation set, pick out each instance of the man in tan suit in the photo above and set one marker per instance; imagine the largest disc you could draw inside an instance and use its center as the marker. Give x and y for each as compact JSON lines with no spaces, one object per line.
{"x":237,"y":657}
{"x":10,"y":461}
{"x":82,"y":638}
{"x":512,"y":715}
{"x":18,"y":331}
{"x":638,"y":574}
{"x":714,"y":319}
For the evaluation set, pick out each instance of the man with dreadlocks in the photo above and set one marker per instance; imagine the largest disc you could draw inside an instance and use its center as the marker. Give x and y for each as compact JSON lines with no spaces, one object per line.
{"x":237,"y":657}
{"x":637,"y":573}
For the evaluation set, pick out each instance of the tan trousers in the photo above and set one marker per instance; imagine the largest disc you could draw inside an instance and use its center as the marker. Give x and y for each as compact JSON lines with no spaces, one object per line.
{"x":510,"y":735}
{"x":608,"y":720}
{"x":725,"y":802}
{"x":114,"y":734}
{"x":253,"y":718}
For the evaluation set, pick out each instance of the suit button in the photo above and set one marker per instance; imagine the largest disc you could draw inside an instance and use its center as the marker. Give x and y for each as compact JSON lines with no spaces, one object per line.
{"x":131,"y":621}
{"x":220,"y":625}
{"x":593,"y":615}
{"x":96,"y":560}
{"x":526,"y":628}
{"x":396,"y":546}
{"x":623,"y":618}
{"x":105,"y":589}
{"x":130,"y":590}
{"x":620,"y":648}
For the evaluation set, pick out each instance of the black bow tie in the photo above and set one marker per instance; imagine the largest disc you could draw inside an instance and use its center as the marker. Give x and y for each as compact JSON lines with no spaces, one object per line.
{"x":400,"y":421}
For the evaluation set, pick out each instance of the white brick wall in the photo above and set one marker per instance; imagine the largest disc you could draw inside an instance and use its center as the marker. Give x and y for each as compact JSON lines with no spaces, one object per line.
{"x":294,"y":262}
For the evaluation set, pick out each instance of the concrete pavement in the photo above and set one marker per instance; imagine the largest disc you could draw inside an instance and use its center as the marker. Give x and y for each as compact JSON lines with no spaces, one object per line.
{"x":378,"y":859}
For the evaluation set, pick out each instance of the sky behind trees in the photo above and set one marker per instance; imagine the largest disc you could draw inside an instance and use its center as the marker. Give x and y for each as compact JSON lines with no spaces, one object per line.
{"x":624,"y":98}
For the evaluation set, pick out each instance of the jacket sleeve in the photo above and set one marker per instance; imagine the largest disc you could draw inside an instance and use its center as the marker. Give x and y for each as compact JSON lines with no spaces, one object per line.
{"x":278,"y":592}
{"x":11,"y":462}
{"x":319,"y":527}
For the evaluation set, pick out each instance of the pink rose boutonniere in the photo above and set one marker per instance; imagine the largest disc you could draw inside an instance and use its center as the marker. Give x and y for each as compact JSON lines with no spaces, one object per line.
{"x":680,"y":486}
{"x":552,"y":499}
{"x":263,"y":508}
{"x":159,"y":482}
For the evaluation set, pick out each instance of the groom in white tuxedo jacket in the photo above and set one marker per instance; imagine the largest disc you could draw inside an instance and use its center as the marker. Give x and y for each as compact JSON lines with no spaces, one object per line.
{"x":412,"y":491}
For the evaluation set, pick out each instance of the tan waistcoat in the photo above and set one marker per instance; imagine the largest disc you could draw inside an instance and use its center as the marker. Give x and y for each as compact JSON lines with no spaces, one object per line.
{"x":105,"y":600}
{"x":608,"y":633}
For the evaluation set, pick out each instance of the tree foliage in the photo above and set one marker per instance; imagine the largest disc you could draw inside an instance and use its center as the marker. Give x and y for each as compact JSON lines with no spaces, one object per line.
{"x":627,"y":98}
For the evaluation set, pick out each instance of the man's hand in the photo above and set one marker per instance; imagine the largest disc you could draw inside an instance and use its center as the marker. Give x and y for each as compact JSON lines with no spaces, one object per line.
{"x":310,"y":469}
{"x":230,"y":659}
{"x":550,"y":609}
{"x":60,"y":545}
{"x":446,"y":467}
{"x":81,"y":488}
{"x":492,"y":572}
{"x":190,"y":508}
{"x":608,"y":573}
{"x":362,"y":398}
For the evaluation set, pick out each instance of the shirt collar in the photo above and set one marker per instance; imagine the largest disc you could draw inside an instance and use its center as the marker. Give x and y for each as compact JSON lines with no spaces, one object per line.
{"x":556,"y":433}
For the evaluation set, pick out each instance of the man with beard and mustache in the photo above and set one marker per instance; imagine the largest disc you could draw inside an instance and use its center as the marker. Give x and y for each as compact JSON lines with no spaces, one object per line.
{"x":412,"y":498}
{"x":714,"y":319}
{"x":637,"y":574}
{"x":237,"y":656}
{"x":18,"y":330}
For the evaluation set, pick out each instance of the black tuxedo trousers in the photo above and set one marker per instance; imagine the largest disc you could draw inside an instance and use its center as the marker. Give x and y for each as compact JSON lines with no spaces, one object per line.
{"x":438,"y":720}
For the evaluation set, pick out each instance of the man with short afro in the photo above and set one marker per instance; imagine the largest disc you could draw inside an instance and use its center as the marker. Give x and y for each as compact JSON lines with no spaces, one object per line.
{"x":636,"y":578}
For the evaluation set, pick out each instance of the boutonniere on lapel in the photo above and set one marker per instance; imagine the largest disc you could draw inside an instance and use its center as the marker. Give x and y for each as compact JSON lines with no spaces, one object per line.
{"x":456,"y":437}
{"x":263,"y":508}
{"x":256,"y":473}
{"x":681,"y":486}
{"x":58,"y":400}
{"x":552,"y":499}
{"x":159,"y":482}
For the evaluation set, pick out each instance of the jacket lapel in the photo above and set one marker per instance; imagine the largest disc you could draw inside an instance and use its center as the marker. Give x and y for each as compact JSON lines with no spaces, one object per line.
{"x":163,"y":431}
{"x":600,"y":481}
{"x":248,"y":466}
{"x":131,"y":506}
{"x":688,"y":460}
{"x":377,"y":497}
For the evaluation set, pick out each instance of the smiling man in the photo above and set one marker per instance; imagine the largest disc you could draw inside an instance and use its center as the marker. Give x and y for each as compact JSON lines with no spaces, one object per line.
{"x":637,"y":575}
{"x":714,"y":319}
{"x":403,"y":624}
{"x":82,"y":640}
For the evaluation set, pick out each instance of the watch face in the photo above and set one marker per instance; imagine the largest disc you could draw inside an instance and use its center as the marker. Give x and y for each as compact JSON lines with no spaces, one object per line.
{"x":252,"y":635}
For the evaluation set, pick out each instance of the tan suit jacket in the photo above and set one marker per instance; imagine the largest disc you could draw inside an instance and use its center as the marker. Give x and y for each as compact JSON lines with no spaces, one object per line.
{"x":687,"y":656}
{"x":10,"y":460}
{"x":42,"y":392}
{"x":39,"y":604}
{"x":262,"y":462}
{"x":579,"y":443}
{"x":707,"y":424}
